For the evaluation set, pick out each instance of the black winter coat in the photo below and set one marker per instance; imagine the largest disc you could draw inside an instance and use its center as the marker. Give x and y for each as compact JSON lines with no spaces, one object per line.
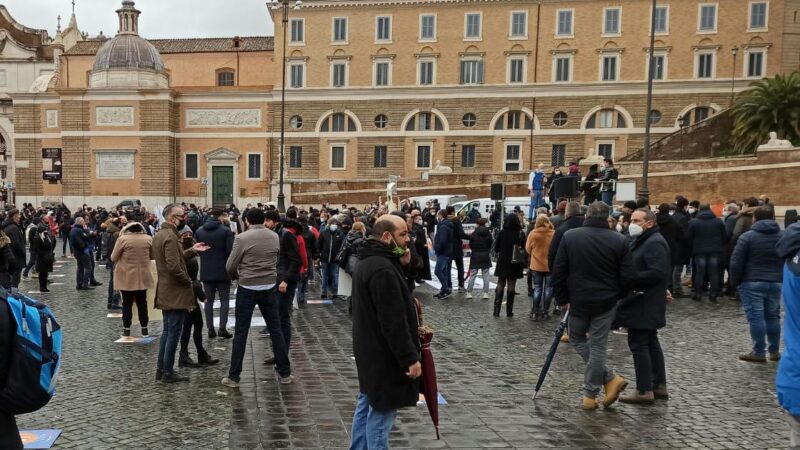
{"x":460,"y":236}
{"x":329,"y":244}
{"x":220,"y":241}
{"x":421,"y":245}
{"x":706,"y":234}
{"x":43,"y":245}
{"x":593,"y":270}
{"x":568,"y":224}
{"x":504,"y":246}
{"x":755,"y":257}
{"x":290,"y":261}
{"x":385,"y":329}
{"x":673,"y":234}
{"x":646,"y":307}
{"x":17,"y":238}
{"x":682,"y":218}
{"x":480,"y":244}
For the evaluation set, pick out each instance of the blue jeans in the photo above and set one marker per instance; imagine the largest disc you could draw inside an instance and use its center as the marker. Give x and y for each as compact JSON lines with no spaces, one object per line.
{"x":607,"y":197}
{"x":267,"y":301}
{"x":370,"y":427}
{"x":303,"y":287}
{"x":173,"y":326}
{"x":542,"y":292}
{"x":761,"y":302}
{"x":31,"y":263}
{"x":536,"y":200}
{"x":442,"y":272}
{"x":82,"y":271}
{"x":707,"y":265}
{"x":330,"y":279}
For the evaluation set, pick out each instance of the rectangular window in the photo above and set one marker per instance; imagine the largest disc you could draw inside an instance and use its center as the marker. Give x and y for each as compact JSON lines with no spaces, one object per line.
{"x":424,"y":121}
{"x":379,"y":159}
{"x":708,"y":18}
{"x":605,"y":118}
{"x":564,"y":22}
{"x":662,"y":19}
{"x":705,"y":65}
{"x":226,"y":78}
{"x":611,"y":21}
{"x":297,"y":31}
{"x":295,"y":157}
{"x":383,"y":28}
{"x":427,"y":27}
{"x":339,"y":29}
{"x":700,"y":114}
{"x":337,"y":157}
{"x":472,"y":26}
{"x":254,"y":166}
{"x":606,"y":150}
{"x":658,"y":67}
{"x":423,"y":156}
{"x":190,"y":166}
{"x":558,"y":155}
{"x":382,"y":73}
{"x":519,"y":24}
{"x":609,"y":68}
{"x":297,"y":77}
{"x":471,"y":72}
{"x":337,"y":123}
{"x":562,"y":69}
{"x":755,"y":64}
{"x":467,"y":156}
{"x":758,"y":15}
{"x":513,"y":161}
{"x":338,"y":74}
{"x":426,"y":73}
{"x":516,"y":71}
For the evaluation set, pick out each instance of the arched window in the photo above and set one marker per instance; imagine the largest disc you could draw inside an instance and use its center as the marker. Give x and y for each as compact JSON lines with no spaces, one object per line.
{"x":226,"y":77}
{"x":338,"y":122}
{"x":513,"y":120}
{"x":425,"y":121}
{"x":607,"y":118}
{"x":696,"y":114}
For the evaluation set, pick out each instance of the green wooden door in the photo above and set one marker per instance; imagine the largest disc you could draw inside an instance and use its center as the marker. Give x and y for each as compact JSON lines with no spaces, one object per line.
{"x":221,"y":186}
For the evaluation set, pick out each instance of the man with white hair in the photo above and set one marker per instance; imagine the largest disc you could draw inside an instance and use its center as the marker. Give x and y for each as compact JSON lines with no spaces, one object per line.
{"x":79,"y":240}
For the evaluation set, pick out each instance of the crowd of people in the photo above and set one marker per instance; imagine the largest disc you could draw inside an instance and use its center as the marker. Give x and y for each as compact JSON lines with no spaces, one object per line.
{"x":609,"y":269}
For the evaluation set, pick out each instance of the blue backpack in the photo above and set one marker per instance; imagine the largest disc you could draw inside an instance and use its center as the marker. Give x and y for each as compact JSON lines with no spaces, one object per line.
{"x":35,"y":357}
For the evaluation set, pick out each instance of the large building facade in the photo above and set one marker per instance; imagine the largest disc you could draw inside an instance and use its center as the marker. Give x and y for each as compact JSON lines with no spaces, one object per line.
{"x":386,"y":87}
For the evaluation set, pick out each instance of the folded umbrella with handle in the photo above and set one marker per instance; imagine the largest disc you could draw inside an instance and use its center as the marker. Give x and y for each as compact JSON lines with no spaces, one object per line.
{"x":551,"y":354}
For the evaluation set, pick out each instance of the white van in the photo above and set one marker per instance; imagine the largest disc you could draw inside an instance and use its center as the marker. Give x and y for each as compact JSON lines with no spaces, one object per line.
{"x":486,"y":205}
{"x":444,"y":200}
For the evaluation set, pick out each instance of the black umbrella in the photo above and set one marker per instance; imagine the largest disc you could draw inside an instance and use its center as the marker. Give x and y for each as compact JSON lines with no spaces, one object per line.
{"x":551,"y":353}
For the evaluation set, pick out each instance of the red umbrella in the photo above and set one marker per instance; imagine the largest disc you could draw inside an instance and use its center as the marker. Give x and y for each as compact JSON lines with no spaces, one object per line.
{"x":428,"y":387}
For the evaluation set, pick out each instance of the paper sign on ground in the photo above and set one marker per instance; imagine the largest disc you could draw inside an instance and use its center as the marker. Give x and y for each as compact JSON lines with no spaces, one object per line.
{"x":421,"y":401}
{"x":39,"y":438}
{"x":135,"y":339}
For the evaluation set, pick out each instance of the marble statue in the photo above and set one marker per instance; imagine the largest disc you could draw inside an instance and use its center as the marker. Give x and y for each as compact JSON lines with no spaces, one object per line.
{"x":439,"y":168}
{"x":775,"y":143}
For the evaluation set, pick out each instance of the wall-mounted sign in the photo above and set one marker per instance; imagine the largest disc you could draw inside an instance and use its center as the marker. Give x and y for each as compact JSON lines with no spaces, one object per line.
{"x":51,"y":164}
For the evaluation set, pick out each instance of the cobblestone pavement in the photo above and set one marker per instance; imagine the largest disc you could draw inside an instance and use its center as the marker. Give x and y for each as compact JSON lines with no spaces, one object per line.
{"x":487,"y":368}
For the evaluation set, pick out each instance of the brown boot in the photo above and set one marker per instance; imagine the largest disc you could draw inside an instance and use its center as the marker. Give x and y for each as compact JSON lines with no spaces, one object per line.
{"x":638,"y":397}
{"x":752,"y":357}
{"x":660,"y":392}
{"x":589,"y":404}
{"x":775,"y":357}
{"x":613,"y":389}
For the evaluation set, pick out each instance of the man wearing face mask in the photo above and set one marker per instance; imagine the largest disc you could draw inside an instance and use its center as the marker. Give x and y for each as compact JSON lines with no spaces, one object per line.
{"x":174,"y":292}
{"x":328,"y":246}
{"x":643,"y":312}
{"x":421,"y":243}
{"x":385,"y":337}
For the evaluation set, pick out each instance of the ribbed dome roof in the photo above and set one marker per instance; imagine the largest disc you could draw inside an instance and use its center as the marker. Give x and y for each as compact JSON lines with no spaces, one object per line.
{"x":128,"y":51}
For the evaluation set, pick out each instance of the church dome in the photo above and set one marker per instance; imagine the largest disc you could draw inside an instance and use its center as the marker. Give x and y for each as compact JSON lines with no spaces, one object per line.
{"x":128,"y":51}
{"x":128,"y":60}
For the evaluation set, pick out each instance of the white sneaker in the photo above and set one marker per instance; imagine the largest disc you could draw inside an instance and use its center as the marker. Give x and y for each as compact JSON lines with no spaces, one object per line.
{"x":621,"y":331}
{"x":468,"y":296}
{"x":485,"y":296}
{"x":230,"y":383}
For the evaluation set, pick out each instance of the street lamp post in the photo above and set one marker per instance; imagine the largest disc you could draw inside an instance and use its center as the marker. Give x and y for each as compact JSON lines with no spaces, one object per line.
{"x":644,"y":192}
{"x":453,"y":158}
{"x":284,"y":4}
{"x":734,"y":52}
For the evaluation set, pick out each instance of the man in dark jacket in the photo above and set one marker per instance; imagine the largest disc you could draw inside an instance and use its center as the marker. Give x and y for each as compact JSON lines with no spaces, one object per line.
{"x":385,"y":337}
{"x":421,"y":244}
{"x":757,"y":270}
{"x":443,"y":245}
{"x":593,"y":270}
{"x":213,"y":275}
{"x":111,"y":236}
{"x":12,"y":229}
{"x":290,"y":264}
{"x":480,"y":260}
{"x":310,"y":240}
{"x":673,"y":234}
{"x":574,"y":219}
{"x":79,"y":240}
{"x":643,"y":312}
{"x":328,"y":246}
{"x":458,"y":247}
{"x":681,"y":216}
{"x":706,"y":236}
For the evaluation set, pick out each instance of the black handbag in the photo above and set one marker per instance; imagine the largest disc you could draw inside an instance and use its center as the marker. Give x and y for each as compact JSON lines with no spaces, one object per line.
{"x":518,"y":254}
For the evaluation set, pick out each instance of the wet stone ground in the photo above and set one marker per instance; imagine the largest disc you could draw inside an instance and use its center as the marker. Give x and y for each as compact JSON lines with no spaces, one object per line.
{"x":107,"y":397}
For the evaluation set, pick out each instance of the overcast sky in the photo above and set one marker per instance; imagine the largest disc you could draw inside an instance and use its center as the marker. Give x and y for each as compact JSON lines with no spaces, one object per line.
{"x":159,"y":19}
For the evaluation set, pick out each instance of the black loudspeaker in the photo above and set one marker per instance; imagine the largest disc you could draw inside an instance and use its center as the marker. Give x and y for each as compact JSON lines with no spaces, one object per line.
{"x":790,"y":217}
{"x":566,"y":187}
{"x":498,"y":191}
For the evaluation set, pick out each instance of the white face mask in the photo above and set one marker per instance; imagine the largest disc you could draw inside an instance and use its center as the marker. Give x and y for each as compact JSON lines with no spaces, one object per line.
{"x":635,"y":229}
{"x":334,"y":227}
{"x":692,"y":210}
{"x":619,"y":228}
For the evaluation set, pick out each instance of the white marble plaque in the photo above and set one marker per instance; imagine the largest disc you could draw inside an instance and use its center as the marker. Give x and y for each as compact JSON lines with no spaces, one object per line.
{"x":114,"y":116}
{"x":115,"y":164}
{"x":52,"y":118}
{"x":223,"y":118}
